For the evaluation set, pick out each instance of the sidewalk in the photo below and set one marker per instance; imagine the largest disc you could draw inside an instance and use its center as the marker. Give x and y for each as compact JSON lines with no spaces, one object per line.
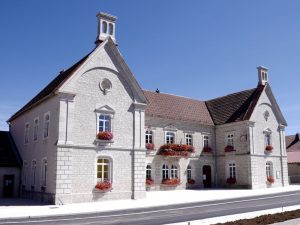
{"x":158,"y":198}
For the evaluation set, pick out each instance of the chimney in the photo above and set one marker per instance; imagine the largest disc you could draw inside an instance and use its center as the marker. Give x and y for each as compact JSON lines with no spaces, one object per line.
{"x":106,"y":27}
{"x":262,"y":75}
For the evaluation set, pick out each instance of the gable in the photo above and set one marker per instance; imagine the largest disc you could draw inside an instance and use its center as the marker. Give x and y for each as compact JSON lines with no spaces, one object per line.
{"x":266,"y":104}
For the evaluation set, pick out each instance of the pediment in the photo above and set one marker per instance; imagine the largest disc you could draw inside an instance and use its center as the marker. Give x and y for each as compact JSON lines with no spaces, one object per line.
{"x":105,"y":109}
{"x":170,"y":128}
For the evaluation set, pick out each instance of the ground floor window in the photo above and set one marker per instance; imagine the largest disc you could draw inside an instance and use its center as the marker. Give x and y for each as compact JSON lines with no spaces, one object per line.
{"x":165,"y":172}
{"x":44,"y":172}
{"x":269,"y":169}
{"x":189,"y":172}
{"x":171,"y":172}
{"x":232,"y":170}
{"x":174,"y":172}
{"x":103,"y":170}
{"x":148,"y":172}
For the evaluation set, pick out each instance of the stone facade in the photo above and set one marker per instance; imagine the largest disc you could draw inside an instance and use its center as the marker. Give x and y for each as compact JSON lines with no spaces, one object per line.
{"x":77,"y":160}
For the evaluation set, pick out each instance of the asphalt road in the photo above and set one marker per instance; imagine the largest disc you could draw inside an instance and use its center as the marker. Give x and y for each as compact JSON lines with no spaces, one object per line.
{"x":172,"y":213}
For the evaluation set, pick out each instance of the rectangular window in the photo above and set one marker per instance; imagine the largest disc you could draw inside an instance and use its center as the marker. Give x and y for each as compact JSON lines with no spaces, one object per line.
{"x":148,"y":172}
{"x":189,"y":172}
{"x":26,"y":133}
{"x":268,"y":139}
{"x":35,"y":129}
{"x":148,"y":137}
{"x":232,"y":170}
{"x":170,"y":138}
{"x":269,"y":169}
{"x":205,"y":141}
{"x":103,"y":170}
{"x":104,"y":123}
{"x":230,"y":140}
{"x":46,"y":125}
{"x":189,"y":139}
{"x":24,"y":171}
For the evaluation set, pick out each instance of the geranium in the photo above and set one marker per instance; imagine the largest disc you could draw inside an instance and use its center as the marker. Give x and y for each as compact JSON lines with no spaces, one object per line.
{"x":231,"y":180}
{"x":149,"y":182}
{"x":229,"y":148}
{"x":103,"y":186}
{"x":207,"y":149}
{"x":270,"y":179}
{"x":171,"y":182}
{"x":105,"y":135}
{"x":150,"y":146}
{"x":269,"y":148}
{"x":176,"y":150}
{"x":191,"y":181}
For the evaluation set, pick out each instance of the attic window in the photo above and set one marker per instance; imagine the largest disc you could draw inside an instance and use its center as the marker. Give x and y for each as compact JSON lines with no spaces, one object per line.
{"x":105,"y":85}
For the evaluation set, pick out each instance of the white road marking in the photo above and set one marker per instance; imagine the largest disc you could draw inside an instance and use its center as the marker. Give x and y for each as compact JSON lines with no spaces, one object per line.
{"x":148,"y":212}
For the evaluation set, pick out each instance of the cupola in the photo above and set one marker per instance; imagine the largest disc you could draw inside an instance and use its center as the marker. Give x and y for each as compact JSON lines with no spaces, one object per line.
{"x":106,"y":27}
{"x":262,"y":75}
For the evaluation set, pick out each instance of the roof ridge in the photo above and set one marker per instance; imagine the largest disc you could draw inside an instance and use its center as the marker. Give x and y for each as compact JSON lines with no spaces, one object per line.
{"x":189,"y":98}
{"x":228,"y":95}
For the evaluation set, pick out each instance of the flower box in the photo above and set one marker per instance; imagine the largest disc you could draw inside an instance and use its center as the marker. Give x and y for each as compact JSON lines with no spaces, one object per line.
{"x":207,"y":150}
{"x":105,"y":135}
{"x":191,"y":181}
{"x":171,"y":182}
{"x":103,"y":186}
{"x":231,"y":180}
{"x":229,"y":148}
{"x":269,"y":148}
{"x":150,"y":146}
{"x":149,"y":182}
{"x":270,"y":179}
{"x":176,"y":150}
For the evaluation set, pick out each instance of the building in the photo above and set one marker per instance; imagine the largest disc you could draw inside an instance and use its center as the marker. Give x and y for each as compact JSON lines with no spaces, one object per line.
{"x":293,"y":155}
{"x":94,"y":134}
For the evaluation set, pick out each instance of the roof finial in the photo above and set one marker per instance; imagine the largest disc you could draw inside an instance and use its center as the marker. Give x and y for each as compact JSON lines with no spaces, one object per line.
{"x":157,"y":90}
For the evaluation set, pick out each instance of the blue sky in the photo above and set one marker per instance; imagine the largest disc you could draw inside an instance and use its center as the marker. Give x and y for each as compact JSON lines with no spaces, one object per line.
{"x":199,"y":49}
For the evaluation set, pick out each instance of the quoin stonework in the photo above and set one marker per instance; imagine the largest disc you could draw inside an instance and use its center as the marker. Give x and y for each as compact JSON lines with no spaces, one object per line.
{"x":94,"y":134}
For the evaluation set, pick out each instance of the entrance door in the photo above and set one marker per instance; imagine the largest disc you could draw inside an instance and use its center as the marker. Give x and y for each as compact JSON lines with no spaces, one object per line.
{"x":206,"y":171}
{"x":8,"y":186}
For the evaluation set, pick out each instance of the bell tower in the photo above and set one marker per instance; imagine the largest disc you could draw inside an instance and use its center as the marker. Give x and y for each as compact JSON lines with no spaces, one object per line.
{"x":106,"y":27}
{"x":262,"y":75}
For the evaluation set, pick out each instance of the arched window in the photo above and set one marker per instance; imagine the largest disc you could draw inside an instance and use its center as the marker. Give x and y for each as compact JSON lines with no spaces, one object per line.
{"x":165,"y":172}
{"x":46,"y":125}
{"x":174,"y":172}
{"x":26,"y":135}
{"x":44,"y":172}
{"x":33,"y":173}
{"x":232,"y":170}
{"x":189,"y":172}
{"x":170,"y":138}
{"x":268,"y":137}
{"x":104,"y":123}
{"x":104,"y":27}
{"x":24,"y":173}
{"x":35,"y":129}
{"x":269,"y":169}
{"x":148,"y":172}
{"x":103,"y":170}
{"x":110,"y":29}
{"x":148,"y":137}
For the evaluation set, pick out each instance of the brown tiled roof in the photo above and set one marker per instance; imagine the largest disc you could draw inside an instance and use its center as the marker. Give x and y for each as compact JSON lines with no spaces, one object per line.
{"x":177,"y":108}
{"x":9,"y":156}
{"x":234,"y":107}
{"x":50,"y":88}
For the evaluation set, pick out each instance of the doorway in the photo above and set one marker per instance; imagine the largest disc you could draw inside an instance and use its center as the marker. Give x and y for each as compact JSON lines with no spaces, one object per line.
{"x":206,"y":171}
{"x":8,"y":186}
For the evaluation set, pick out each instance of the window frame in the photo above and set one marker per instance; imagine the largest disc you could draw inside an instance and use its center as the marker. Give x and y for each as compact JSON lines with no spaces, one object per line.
{"x":46,"y":125}
{"x":229,"y":139}
{"x":44,"y":172}
{"x":109,"y":172}
{"x":99,"y":121}
{"x":148,"y":137}
{"x":26,"y":133}
{"x":174,"y":172}
{"x":24,"y":173}
{"x":232,"y":169}
{"x":267,"y":137}
{"x":269,"y":169}
{"x":165,"y":172}
{"x":206,"y":140}
{"x":167,"y":134}
{"x":188,"y":138}
{"x":148,"y":171}
{"x":33,"y":173}
{"x":189,"y":172}
{"x":36,"y":123}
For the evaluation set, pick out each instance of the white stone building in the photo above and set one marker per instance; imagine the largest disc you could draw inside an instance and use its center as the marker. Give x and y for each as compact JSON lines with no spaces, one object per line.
{"x":64,"y":134}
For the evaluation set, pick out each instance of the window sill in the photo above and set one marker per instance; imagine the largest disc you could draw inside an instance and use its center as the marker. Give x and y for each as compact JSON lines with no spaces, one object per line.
{"x":100,"y":142}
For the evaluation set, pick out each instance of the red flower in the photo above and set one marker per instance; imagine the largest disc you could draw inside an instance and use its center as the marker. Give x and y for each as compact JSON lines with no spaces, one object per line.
{"x":270,"y":179}
{"x":191,"y":181}
{"x":207,"y":149}
{"x":176,"y":150}
{"x":229,"y":148}
{"x":231,"y":180}
{"x":269,"y":148}
{"x":105,"y":135}
{"x":149,"y":182}
{"x":171,"y":182}
{"x":103,"y":186}
{"x":150,"y":146}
